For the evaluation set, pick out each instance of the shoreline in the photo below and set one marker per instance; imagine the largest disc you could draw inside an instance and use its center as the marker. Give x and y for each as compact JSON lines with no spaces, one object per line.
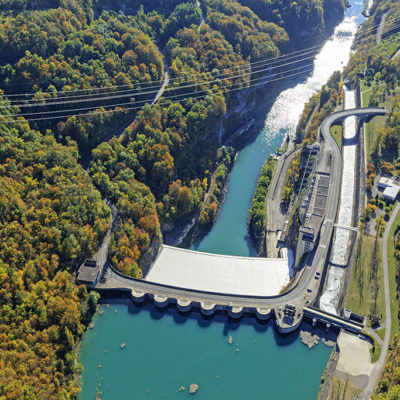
{"x":247,"y":334}
{"x":263,"y":106}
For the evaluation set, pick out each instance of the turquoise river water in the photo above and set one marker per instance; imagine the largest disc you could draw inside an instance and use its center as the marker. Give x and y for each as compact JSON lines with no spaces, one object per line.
{"x":166,"y":350}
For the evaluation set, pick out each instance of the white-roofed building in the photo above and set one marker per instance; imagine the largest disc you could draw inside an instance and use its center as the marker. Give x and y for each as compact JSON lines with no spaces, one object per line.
{"x":391,"y":192}
{"x":385,"y":183}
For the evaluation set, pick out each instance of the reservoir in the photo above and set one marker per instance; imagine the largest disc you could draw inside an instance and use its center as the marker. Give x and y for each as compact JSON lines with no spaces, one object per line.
{"x":165,"y":350}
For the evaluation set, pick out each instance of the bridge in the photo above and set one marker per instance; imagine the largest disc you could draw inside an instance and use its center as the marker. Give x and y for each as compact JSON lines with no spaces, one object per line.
{"x":349,"y":228}
{"x":331,"y":320}
{"x":288,"y":307}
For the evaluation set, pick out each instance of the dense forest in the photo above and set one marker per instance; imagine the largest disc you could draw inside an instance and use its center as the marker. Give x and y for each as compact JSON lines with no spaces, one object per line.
{"x":74,"y":73}
{"x":51,"y":215}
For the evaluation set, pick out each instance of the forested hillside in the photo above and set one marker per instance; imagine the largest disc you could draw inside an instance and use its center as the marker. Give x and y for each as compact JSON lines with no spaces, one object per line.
{"x":51,"y":216}
{"x":73,"y":73}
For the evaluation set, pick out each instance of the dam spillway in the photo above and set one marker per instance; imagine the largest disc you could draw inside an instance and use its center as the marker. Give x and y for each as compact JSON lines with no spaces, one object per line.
{"x":254,"y":276}
{"x":165,"y":350}
{"x":330,"y":298}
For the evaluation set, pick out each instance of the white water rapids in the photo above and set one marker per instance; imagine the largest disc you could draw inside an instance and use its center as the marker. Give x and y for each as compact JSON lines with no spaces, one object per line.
{"x":334,"y":55}
{"x":330,"y":297}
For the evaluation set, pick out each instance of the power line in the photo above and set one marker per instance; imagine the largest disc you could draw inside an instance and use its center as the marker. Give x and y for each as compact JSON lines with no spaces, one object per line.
{"x":126,"y":93}
{"x":247,"y":65}
{"x":266,"y":62}
{"x":255,"y":63}
{"x":118,"y":96}
{"x":145,"y":101}
{"x":184,"y":96}
{"x":132,"y":105}
{"x":94,"y":107}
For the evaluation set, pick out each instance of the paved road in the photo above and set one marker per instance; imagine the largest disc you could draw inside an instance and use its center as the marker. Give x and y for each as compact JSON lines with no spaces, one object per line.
{"x":336,"y":156}
{"x":273,"y":208}
{"x":376,"y":372}
{"x":275,"y":219}
{"x":298,"y":293}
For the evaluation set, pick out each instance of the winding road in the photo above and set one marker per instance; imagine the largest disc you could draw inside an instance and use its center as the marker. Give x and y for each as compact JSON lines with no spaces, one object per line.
{"x":300,"y":294}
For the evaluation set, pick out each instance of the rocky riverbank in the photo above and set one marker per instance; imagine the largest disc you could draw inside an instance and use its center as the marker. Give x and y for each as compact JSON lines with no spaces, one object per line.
{"x":257,"y":106}
{"x":311,"y":335}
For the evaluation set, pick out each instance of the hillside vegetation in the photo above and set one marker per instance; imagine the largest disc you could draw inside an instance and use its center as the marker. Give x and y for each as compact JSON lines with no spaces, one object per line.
{"x":90,"y":66}
{"x":51,"y":216}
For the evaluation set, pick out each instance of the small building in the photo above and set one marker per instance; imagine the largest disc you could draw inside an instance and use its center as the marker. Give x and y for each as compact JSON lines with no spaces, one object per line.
{"x":385,"y":183}
{"x":312,"y":148}
{"x":88,"y":273}
{"x":317,"y":146}
{"x":307,"y":239}
{"x":391,"y":192}
{"x":351,"y":316}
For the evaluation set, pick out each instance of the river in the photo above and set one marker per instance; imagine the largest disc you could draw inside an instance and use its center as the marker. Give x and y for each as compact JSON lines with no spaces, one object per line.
{"x":166,"y":350}
{"x":229,"y":235}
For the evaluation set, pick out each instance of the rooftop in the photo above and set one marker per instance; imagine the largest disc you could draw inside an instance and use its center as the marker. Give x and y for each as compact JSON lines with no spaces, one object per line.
{"x":387,"y":182}
{"x":88,"y":272}
{"x":324,"y":181}
{"x":391,"y":192}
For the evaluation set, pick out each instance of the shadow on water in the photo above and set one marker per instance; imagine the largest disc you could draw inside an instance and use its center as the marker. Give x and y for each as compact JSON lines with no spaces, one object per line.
{"x":266,"y":97}
{"x":230,"y":325}
{"x":252,"y":251}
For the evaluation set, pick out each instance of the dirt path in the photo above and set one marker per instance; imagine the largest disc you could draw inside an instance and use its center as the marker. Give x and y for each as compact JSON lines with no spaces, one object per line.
{"x":380,"y":29}
{"x":165,"y":82}
{"x":203,"y":20}
{"x":395,"y":55}
{"x":118,"y":132}
{"x":102,"y":252}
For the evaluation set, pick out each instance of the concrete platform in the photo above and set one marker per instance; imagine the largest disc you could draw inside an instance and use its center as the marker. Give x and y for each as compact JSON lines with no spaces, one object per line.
{"x":218,"y":273}
{"x":354,"y":359}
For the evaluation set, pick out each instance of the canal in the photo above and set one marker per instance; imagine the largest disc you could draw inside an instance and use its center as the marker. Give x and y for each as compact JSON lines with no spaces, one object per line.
{"x":165,"y":350}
